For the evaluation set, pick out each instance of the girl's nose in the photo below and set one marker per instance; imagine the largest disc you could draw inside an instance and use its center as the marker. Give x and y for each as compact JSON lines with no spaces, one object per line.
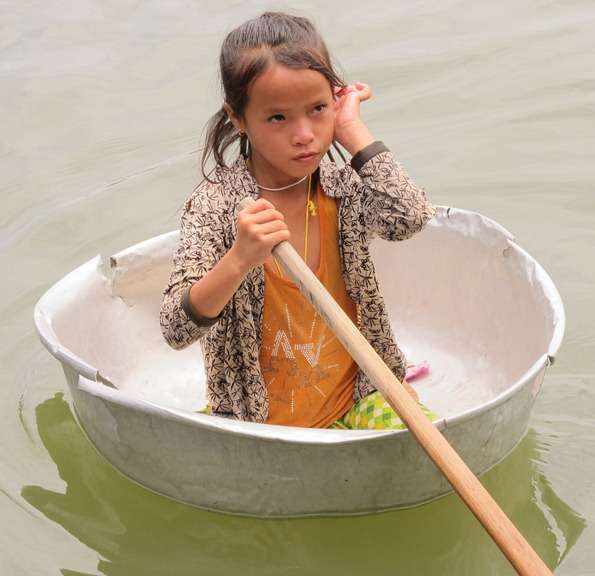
{"x":303,"y":133}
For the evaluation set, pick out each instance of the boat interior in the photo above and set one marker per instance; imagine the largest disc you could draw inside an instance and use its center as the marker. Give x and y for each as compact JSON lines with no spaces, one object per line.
{"x":462,"y":296}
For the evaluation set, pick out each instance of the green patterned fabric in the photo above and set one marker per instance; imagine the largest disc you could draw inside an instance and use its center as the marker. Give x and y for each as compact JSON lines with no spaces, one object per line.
{"x":373,"y":412}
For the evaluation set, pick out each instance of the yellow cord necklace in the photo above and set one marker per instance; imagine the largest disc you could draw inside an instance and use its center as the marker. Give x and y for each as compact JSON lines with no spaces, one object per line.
{"x":310,"y":210}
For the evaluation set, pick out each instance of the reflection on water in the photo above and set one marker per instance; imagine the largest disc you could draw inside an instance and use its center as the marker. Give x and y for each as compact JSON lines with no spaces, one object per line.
{"x":137,"y":532}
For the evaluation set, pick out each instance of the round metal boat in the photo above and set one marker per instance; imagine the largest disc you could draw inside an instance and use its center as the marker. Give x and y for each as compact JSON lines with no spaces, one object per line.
{"x":462,"y":296}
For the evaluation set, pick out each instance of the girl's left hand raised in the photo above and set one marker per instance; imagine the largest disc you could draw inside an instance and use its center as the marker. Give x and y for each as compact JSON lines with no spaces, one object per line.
{"x":350,"y":130}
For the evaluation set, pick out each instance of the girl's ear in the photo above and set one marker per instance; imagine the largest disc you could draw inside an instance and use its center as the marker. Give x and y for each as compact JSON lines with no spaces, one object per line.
{"x":335,"y":103}
{"x":335,"y":108}
{"x":232,"y":116}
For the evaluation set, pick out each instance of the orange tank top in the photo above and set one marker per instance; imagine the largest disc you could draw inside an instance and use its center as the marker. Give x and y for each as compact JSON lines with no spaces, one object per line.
{"x":309,"y":375}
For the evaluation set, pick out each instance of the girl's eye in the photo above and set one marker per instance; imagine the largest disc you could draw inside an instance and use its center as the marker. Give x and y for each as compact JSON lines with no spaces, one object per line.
{"x":279,"y":117}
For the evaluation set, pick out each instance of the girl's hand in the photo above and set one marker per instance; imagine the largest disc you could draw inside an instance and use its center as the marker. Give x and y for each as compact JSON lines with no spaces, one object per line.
{"x":350,"y":130}
{"x":260,"y":228}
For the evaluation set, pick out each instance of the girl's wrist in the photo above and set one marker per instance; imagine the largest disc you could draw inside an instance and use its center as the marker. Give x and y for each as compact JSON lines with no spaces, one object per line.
{"x":237,"y":263}
{"x":355,"y":138}
{"x":366,"y":153}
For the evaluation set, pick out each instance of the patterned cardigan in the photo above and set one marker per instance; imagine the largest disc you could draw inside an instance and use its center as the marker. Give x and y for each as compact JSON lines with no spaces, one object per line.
{"x":376,"y":197}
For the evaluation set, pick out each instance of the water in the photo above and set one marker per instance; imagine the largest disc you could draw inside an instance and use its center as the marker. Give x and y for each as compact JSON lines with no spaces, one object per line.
{"x":490,"y":107}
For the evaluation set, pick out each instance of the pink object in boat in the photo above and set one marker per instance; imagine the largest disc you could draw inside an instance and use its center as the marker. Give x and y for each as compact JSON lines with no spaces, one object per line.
{"x":415,"y":371}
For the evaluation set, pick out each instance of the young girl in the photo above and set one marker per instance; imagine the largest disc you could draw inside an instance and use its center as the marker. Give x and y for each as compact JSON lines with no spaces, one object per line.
{"x":268,"y":356}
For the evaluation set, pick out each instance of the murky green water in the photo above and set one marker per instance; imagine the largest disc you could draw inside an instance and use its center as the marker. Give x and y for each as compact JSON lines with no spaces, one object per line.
{"x":489,"y":106}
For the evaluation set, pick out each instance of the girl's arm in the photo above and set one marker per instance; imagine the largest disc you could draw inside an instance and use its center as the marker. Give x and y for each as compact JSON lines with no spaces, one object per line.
{"x":393,"y":206}
{"x":205,"y":277}
{"x":260,"y":228}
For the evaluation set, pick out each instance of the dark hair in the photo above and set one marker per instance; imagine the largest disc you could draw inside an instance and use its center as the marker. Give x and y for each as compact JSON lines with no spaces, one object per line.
{"x":246,"y":52}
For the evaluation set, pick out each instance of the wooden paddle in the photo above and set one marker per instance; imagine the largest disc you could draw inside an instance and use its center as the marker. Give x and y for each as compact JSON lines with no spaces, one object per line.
{"x":512,"y":543}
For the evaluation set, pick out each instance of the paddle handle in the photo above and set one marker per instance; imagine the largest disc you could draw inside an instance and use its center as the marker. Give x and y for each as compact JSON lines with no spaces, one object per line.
{"x":512,"y":543}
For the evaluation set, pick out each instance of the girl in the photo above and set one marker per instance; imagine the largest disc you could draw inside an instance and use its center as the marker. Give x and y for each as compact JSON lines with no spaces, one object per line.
{"x":268,"y":356}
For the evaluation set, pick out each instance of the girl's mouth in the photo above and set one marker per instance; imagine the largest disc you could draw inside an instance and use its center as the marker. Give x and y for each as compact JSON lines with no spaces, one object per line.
{"x":306,"y":158}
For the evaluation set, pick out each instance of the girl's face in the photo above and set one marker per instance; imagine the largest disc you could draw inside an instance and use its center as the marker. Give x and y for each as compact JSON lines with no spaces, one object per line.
{"x":289,"y":113}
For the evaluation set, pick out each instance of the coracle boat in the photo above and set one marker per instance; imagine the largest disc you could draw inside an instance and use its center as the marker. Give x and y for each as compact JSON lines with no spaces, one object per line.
{"x":462,"y":296}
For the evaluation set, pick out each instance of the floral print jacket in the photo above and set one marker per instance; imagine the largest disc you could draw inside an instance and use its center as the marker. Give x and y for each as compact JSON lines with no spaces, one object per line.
{"x":376,"y":198}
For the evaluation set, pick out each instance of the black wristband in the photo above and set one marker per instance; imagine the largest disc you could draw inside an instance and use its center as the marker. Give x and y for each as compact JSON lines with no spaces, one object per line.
{"x":200,"y":321}
{"x":369,"y":151}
